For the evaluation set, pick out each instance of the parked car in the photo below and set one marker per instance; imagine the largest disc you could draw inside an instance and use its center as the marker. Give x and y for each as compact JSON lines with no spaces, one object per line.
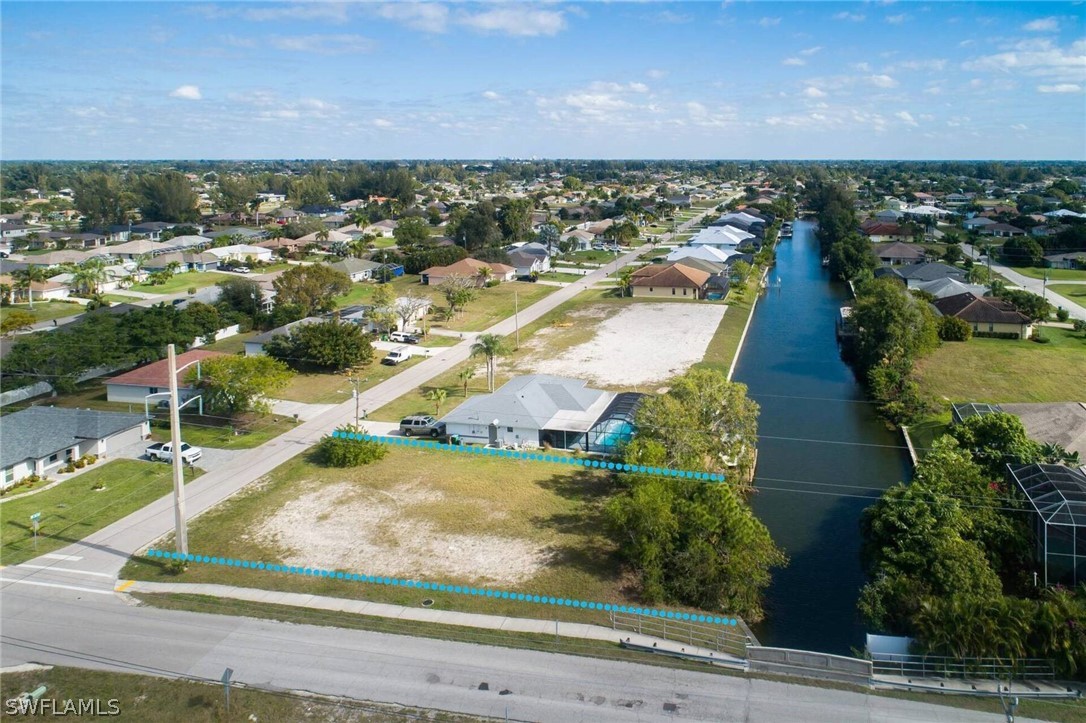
{"x":404,"y":337}
{"x":163,"y":451}
{"x":421,"y":424}
{"x":241,"y":269}
{"x":397,"y":355}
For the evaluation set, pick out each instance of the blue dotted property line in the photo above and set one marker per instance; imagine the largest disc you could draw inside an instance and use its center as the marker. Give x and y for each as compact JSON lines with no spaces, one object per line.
{"x":531,"y":456}
{"x":442,"y":587}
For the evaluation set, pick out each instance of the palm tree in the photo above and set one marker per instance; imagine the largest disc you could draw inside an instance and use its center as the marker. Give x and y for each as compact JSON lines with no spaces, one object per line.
{"x":437,"y":396}
{"x":90,"y":276}
{"x":625,"y":280}
{"x":485,"y":273}
{"x":466,"y":376}
{"x":28,"y":276}
{"x":491,"y":346}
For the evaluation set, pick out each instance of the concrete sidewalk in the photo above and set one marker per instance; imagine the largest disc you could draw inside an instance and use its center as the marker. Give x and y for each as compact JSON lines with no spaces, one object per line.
{"x":583,"y":631}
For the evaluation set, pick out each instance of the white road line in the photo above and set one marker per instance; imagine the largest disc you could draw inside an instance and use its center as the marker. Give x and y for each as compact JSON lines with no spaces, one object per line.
{"x":66,"y":558}
{"x":65,"y":587}
{"x":66,"y":569}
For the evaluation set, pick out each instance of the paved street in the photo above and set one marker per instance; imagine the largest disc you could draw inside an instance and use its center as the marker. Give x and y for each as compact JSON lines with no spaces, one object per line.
{"x":72,"y":627}
{"x":1037,"y":286}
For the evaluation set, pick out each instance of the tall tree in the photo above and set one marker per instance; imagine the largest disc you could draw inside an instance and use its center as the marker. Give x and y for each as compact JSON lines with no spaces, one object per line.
{"x":314,"y":288}
{"x":333,"y":345}
{"x":168,"y":197}
{"x":102,"y":200}
{"x":26,"y":278}
{"x":411,"y":231}
{"x":515,"y":218}
{"x":234,"y":385}
{"x":478,"y":229}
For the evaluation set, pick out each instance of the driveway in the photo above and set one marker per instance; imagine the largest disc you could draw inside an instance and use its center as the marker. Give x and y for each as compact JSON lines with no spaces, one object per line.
{"x":213,"y":458}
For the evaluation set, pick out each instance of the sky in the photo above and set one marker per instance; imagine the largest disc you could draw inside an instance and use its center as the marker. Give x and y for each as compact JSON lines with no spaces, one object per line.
{"x":370,"y":80}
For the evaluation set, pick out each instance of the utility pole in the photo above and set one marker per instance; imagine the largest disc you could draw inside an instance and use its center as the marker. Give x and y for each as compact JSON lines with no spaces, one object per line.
{"x":516,"y":315}
{"x":357,"y":383}
{"x":181,"y":532}
{"x":1044,"y":287}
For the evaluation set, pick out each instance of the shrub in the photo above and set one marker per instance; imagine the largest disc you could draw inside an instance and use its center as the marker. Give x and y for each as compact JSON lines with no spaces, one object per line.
{"x":67,"y":469}
{"x":492,"y":283}
{"x":79,"y":464}
{"x":954,"y":329}
{"x":1062,"y":314}
{"x":340,"y":452}
{"x":1079,"y":325}
{"x":1039,"y":337}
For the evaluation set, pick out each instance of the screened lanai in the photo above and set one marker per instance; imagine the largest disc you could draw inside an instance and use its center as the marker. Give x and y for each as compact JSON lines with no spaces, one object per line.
{"x":1057,"y":495}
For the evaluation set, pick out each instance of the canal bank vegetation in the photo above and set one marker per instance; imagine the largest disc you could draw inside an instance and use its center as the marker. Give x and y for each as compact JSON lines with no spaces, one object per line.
{"x":692,"y":542}
{"x":839,"y":240}
{"x":948,"y":557}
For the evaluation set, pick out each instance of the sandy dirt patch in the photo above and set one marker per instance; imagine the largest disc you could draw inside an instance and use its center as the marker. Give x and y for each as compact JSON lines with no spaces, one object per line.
{"x":642,"y":343}
{"x":373,"y":532}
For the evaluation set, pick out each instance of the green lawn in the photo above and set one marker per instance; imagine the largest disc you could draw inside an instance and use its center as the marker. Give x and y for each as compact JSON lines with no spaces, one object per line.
{"x":184,"y":282}
{"x":595,"y":257}
{"x":438,"y":499}
{"x":232,"y":344}
{"x":725,"y":343}
{"x":560,"y":276}
{"x":495,"y":304}
{"x":46,"y":310}
{"x":220,"y":434}
{"x":327,"y":388}
{"x":1053,"y":274}
{"x":1007,"y":370}
{"x":1074,"y":292}
{"x":72,"y":510}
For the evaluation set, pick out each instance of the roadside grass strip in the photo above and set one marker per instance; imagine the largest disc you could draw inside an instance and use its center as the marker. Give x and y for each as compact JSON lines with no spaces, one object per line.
{"x":442,"y":587}
{"x":530,"y":456}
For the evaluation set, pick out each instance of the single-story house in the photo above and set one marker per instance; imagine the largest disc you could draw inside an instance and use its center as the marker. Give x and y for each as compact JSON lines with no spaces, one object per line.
{"x":189,"y":261}
{"x":884,"y":232}
{"x":151,"y":229}
{"x":137,"y":248}
{"x":242,"y":252}
{"x":889,"y":215}
{"x":38,"y":440}
{"x":133,"y":386}
{"x":41,"y":290}
{"x":326,"y":238}
{"x":1001,"y":230}
{"x":1073,"y":260}
{"x":290,"y":245}
{"x":540,"y":410}
{"x":242,"y":232}
{"x":674,"y":280}
{"x":986,"y":315}
{"x":897,"y":253}
{"x":1064,"y":213}
{"x":941,"y":288}
{"x":914,"y":275}
{"x":382,"y":229}
{"x":704,"y":253}
{"x":255,"y":346}
{"x":527,"y":264}
{"x":723,"y":237}
{"x":56,"y":258}
{"x":357,"y":269}
{"x":976,"y":223}
{"x":472,"y":268}
{"x":581,"y":240}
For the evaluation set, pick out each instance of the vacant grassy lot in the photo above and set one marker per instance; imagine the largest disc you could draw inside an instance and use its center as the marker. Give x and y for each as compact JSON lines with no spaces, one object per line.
{"x":1006,"y":370}
{"x":1053,"y":274}
{"x":45,"y":310}
{"x":428,"y":515}
{"x":74,"y":509}
{"x":725,"y":344}
{"x":1073,"y":292}
{"x":184,"y":282}
{"x":489,"y":307}
{"x":327,"y":388}
{"x":161,"y":700}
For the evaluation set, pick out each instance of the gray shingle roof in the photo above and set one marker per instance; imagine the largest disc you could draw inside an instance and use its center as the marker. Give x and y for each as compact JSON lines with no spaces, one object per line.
{"x":38,"y":432}
{"x":538,"y":401}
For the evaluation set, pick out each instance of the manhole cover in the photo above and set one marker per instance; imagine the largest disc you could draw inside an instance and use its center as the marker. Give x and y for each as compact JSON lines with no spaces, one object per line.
{"x":427,"y":602}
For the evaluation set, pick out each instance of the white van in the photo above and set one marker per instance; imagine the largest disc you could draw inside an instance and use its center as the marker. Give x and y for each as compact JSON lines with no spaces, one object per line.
{"x":397,"y":355}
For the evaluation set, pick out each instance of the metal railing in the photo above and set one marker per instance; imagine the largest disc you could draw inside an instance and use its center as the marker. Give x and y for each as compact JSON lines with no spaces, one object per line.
{"x":731,"y":640}
{"x":931,"y":666}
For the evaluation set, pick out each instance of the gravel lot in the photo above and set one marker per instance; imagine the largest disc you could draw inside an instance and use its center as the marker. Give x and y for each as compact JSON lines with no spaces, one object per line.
{"x":643,"y":343}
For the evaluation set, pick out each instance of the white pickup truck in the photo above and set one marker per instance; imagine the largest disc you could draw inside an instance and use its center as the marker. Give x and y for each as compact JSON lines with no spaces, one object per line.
{"x":163,"y":451}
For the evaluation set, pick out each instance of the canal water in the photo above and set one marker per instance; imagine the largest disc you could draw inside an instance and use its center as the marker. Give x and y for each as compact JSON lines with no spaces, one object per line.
{"x":823,"y":455}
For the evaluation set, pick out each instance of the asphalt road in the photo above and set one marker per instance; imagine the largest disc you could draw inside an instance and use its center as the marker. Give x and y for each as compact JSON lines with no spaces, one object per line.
{"x":71,"y":627}
{"x":1037,"y":286}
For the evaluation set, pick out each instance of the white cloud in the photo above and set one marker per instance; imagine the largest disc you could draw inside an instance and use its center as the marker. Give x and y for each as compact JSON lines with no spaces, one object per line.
{"x":521,"y":20}
{"x":862,"y":67}
{"x":931,"y":64}
{"x":896,"y":19}
{"x":322,"y":44}
{"x":768,"y":22}
{"x":813,"y":92}
{"x":336,"y":12}
{"x":638,"y":87}
{"x":907,"y":117}
{"x":882,"y":81}
{"x":1043,"y":25}
{"x":1019,"y":127}
{"x":671,"y":18}
{"x":696,"y":109}
{"x":656,"y":73}
{"x":427,"y":17}
{"x":187,"y":92}
{"x":854,"y":17}
{"x":1037,"y":57}
{"x":810,"y":51}
{"x":491,"y":95}
{"x":793,"y":61}
{"x":383,"y":123}
{"x":1060,"y":88}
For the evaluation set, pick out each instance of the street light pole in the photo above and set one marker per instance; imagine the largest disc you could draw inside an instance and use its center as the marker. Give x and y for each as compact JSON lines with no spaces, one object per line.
{"x":181,"y":532}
